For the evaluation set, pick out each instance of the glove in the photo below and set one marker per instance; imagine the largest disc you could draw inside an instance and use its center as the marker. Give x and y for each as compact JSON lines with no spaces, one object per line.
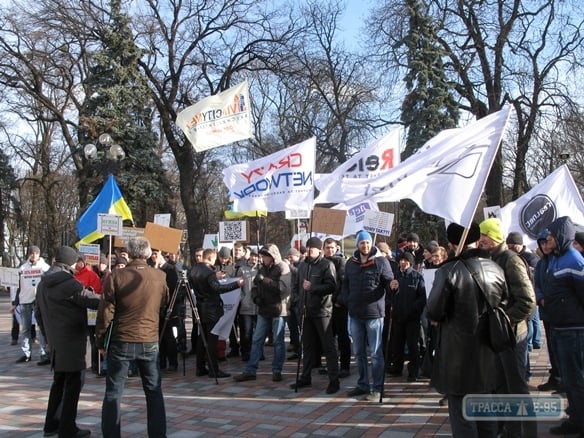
{"x":258,"y":279}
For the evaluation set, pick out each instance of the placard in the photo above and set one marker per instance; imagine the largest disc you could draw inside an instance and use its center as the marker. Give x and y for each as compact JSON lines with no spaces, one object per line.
{"x":233,"y":231}
{"x":127,"y":234}
{"x":9,"y":277}
{"x":328,"y":221}
{"x":494,"y":211}
{"x":162,"y":219}
{"x":297,"y":214}
{"x":111,"y":224}
{"x":378,"y":222}
{"x":91,"y":252}
{"x":163,"y":238}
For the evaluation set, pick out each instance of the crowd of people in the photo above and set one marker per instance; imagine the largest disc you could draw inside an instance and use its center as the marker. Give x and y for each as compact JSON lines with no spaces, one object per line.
{"x":378,"y":306}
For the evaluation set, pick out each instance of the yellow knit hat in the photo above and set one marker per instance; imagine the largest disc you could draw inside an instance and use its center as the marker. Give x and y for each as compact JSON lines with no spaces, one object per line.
{"x":492,"y":228}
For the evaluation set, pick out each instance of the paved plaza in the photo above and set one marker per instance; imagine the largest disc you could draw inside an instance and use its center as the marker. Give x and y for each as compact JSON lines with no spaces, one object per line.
{"x":197,"y":407}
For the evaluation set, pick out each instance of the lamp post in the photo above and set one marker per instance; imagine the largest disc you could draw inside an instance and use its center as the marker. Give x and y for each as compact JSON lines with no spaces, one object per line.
{"x":108,"y":150}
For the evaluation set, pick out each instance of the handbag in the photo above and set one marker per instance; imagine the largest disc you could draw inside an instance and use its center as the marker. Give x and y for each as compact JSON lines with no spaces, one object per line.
{"x":499,"y":330}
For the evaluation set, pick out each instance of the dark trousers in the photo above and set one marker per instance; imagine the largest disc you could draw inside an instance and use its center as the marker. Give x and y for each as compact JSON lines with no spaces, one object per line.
{"x":169,"y":345}
{"x":341,"y":331}
{"x":555,"y":369}
{"x":202,"y":356}
{"x":15,"y":328}
{"x":233,"y":341}
{"x":317,"y":336}
{"x":293,"y":322}
{"x":65,"y":390}
{"x":402,"y":333}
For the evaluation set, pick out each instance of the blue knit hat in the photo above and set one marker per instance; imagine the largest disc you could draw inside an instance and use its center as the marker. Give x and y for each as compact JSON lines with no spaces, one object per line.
{"x":363,"y":235}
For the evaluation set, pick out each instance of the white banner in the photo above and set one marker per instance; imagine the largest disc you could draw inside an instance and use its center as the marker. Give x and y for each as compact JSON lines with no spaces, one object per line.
{"x":279,"y":182}
{"x":219,"y":119}
{"x":355,"y":216}
{"x":554,"y":197}
{"x":380,"y":156}
{"x":230,"y":305}
{"x":445,"y":177}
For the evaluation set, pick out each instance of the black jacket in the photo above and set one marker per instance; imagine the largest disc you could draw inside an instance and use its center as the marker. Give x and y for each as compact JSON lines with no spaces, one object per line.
{"x":208,"y":291}
{"x":464,"y":363}
{"x":321,"y":273}
{"x":409,"y":300}
{"x":61,"y":312}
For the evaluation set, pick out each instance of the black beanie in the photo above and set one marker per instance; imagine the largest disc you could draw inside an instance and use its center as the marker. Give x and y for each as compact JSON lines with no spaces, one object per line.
{"x":66,"y":255}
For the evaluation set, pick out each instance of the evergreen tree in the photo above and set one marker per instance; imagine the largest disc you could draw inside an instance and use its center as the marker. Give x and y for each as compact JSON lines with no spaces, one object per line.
{"x":117,"y":103}
{"x":7,"y":185}
{"x":428,"y":107}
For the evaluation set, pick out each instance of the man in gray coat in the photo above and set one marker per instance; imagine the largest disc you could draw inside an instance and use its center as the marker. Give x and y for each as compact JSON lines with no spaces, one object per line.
{"x":61,"y":312}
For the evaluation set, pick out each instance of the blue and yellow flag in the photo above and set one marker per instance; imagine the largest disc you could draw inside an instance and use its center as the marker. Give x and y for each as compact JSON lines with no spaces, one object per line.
{"x":109,"y":201}
{"x":232,"y":214}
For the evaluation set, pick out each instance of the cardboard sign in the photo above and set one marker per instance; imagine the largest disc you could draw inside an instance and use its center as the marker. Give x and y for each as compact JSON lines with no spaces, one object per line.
{"x":328,"y":221}
{"x":127,"y":234}
{"x":91,"y":252}
{"x":163,"y":238}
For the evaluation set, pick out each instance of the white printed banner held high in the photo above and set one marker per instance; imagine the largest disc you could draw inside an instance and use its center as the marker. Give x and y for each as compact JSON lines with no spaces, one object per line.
{"x":219,"y":119}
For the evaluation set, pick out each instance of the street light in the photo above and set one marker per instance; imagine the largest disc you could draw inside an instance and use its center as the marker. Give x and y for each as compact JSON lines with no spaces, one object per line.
{"x":565,"y":155}
{"x":113,"y":151}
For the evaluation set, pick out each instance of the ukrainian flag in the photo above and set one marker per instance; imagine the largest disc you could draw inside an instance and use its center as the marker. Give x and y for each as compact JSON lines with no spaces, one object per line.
{"x":231,"y":214}
{"x":109,"y":201}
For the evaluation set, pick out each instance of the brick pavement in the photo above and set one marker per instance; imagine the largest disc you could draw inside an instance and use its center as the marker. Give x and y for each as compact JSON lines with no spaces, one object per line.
{"x":197,"y":407}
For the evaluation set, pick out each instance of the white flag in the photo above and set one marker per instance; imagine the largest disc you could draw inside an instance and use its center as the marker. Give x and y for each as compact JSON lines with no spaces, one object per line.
{"x":279,"y":182}
{"x":219,"y":119}
{"x":230,"y":305}
{"x":444,"y":177}
{"x":380,"y":156}
{"x":554,"y":197}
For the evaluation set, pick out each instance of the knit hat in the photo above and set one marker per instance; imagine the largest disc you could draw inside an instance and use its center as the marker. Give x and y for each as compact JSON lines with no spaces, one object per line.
{"x":33,"y":249}
{"x":408,"y":256}
{"x":514,"y":238}
{"x":121,"y":260}
{"x":454,"y":233}
{"x":66,"y":255}
{"x":412,"y":237}
{"x":492,"y":228}
{"x":224,"y":252}
{"x":363,"y":235}
{"x":432,"y":245}
{"x":579,"y":237}
{"x":293,"y":252}
{"x":314,"y":242}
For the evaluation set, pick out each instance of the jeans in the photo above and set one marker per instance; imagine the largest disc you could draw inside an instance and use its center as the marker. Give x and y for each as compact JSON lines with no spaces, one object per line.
{"x":146,"y":356}
{"x":257,"y":347}
{"x":534,"y":330}
{"x":467,"y":429}
{"x":63,"y":401}
{"x":367,"y":333}
{"x":247,"y":325}
{"x":25,"y":330}
{"x":569,"y":347}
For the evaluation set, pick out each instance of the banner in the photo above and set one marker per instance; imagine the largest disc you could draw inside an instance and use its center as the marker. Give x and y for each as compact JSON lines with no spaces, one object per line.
{"x":218,"y":120}
{"x":444,"y":177}
{"x":380,"y":156}
{"x":281,"y":181}
{"x":109,"y":201}
{"x":355,"y":216}
{"x":554,"y":197}
{"x":230,"y":305}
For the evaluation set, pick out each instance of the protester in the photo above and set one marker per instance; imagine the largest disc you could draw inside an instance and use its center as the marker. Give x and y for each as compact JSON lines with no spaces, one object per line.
{"x":271,"y":292}
{"x":133,"y":300}
{"x":408,"y":299}
{"x":208,"y":291}
{"x":294,"y":306}
{"x":61,"y":312}
{"x":315,"y":285}
{"x":563,"y":301}
{"x":367,"y":278}
{"x":248,"y":310}
{"x":464,"y":362}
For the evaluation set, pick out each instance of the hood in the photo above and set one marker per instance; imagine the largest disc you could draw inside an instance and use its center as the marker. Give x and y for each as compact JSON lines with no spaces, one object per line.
{"x":57,"y":274}
{"x":272,"y":250}
{"x":374,"y":253}
{"x":564,"y":232}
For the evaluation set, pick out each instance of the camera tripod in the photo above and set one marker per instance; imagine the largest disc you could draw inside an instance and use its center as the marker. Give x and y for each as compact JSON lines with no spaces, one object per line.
{"x":190,"y":295}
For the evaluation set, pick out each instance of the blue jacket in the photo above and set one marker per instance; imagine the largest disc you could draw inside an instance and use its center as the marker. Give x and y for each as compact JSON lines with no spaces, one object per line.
{"x":563,"y":284}
{"x":409,"y":300}
{"x":365,"y":285}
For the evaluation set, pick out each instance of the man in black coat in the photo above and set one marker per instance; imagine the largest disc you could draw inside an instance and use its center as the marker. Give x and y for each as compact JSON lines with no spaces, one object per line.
{"x":61,"y":312}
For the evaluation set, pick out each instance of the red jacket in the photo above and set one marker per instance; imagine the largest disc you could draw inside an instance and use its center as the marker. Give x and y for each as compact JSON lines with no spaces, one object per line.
{"x":88,"y":278}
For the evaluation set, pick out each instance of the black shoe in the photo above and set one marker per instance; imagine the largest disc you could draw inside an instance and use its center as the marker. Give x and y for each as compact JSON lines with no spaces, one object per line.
{"x":202,"y":372}
{"x":233,"y":354}
{"x":53,"y":433}
{"x":219,"y":374}
{"x":14,"y":342}
{"x":344,"y":373}
{"x":82,"y":433}
{"x":23,"y":359}
{"x":551,"y":385}
{"x":294,"y":356}
{"x":102,"y":373}
{"x":301,"y":384}
{"x":333,"y":386}
{"x":412,"y":378}
{"x":243,"y":377}
{"x":566,"y":428}
{"x":192,"y":352}
{"x":171,"y":369}
{"x":45,"y":361}
{"x":357,"y":392}
{"x":245,"y":357}
{"x":322,"y":371}
{"x":276,"y":377}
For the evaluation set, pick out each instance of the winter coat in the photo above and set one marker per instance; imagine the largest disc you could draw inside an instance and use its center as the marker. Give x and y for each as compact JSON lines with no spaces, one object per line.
{"x":271,"y":289}
{"x":366,"y":284}
{"x":318,"y":301}
{"x":247,"y":306}
{"x":464,"y":363}
{"x":563,"y":288}
{"x":409,"y":300}
{"x":88,"y":278}
{"x":208,"y":291}
{"x":61,"y":312}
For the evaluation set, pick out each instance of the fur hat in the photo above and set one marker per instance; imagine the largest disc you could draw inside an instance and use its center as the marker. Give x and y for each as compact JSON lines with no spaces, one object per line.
{"x":514,"y":238}
{"x":66,"y":255}
{"x":224,"y":252}
{"x":314,"y":242}
{"x":361,"y":236}
{"x":492,"y":228}
{"x":454,"y":233}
